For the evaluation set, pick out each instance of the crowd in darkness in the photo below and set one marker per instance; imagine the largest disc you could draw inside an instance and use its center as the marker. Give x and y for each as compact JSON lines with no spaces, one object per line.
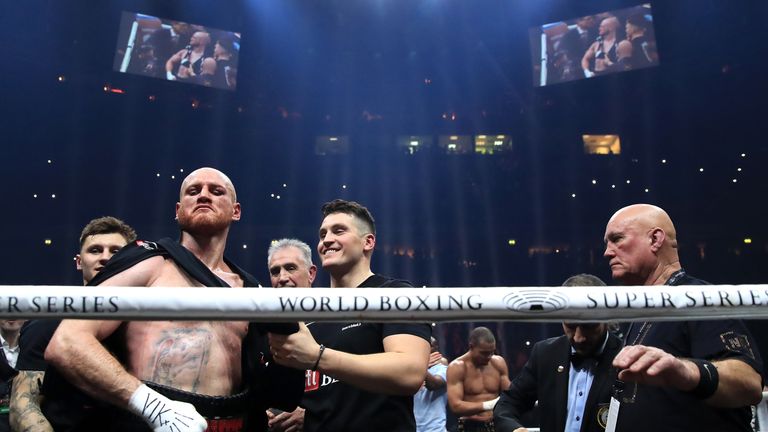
{"x":530,"y":215}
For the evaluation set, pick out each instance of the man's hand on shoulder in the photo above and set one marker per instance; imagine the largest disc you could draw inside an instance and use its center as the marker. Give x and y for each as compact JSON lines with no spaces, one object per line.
{"x":434,"y":358}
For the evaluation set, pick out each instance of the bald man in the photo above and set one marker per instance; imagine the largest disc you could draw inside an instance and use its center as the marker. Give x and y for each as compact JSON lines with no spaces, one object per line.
{"x":682,"y":375}
{"x":167,"y":375}
{"x":602,"y":55}
{"x":191,"y":59}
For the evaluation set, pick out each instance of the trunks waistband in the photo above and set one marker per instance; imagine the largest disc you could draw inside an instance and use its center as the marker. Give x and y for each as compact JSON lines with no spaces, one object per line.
{"x":225,"y":425}
{"x":123,"y":421}
{"x":210,"y":407}
{"x":468,"y":425}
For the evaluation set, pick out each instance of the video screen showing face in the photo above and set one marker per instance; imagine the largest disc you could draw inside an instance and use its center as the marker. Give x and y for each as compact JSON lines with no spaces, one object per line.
{"x":177,"y":51}
{"x":593,"y":45}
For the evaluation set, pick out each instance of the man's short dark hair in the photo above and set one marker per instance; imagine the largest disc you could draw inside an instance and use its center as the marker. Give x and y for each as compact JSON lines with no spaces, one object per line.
{"x":583,"y":279}
{"x":481,"y":334}
{"x":638,"y":20}
{"x":107,"y":225}
{"x":353,"y":209}
{"x":228,"y":43}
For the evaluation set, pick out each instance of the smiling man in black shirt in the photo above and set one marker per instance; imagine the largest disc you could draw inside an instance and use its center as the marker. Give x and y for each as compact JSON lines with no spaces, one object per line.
{"x":361,"y":376}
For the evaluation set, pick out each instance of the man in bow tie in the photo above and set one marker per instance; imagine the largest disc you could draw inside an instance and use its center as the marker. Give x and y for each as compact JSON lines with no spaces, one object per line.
{"x":569,"y":375}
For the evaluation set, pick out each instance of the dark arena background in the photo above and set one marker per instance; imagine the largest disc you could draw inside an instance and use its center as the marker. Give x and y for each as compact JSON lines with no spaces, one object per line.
{"x":429,"y":112}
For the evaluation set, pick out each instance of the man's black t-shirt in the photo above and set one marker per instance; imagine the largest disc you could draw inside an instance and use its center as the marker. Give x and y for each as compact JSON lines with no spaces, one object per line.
{"x":333,"y":406}
{"x":641,"y":51}
{"x":33,"y":339}
{"x":667,"y":409}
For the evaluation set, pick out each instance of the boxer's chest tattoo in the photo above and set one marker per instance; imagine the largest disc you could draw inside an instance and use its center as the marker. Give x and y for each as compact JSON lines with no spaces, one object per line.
{"x":180,"y":357}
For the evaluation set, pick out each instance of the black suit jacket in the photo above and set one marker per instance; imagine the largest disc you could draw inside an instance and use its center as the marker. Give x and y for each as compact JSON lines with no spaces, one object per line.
{"x":6,"y":375}
{"x":545,"y":378}
{"x":7,"y":372}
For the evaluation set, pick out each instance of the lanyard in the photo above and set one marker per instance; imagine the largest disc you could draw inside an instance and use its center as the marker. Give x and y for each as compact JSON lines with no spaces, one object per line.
{"x":619,"y":386}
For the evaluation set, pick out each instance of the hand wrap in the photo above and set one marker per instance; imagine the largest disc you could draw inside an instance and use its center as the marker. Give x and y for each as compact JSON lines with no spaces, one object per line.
{"x":163,"y":414}
{"x":489,"y":405}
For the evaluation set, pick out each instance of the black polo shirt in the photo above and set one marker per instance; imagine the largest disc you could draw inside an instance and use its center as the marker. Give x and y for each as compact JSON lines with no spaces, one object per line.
{"x":667,"y":409}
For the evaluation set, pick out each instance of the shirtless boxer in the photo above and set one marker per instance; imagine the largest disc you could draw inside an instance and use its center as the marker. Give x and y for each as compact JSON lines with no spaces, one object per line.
{"x":475,"y":380}
{"x":191,"y":59}
{"x":197,"y":362}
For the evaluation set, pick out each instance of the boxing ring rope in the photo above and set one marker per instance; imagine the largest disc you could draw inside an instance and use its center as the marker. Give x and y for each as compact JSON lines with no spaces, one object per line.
{"x":129,"y":47}
{"x":544,"y":59}
{"x":537,"y":304}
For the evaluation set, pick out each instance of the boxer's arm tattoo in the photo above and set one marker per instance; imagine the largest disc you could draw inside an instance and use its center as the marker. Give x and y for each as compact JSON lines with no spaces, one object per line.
{"x":180,"y":357}
{"x":25,"y":414}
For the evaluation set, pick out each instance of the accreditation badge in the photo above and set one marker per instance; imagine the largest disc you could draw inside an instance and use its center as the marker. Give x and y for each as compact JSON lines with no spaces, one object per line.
{"x":613,"y":415}
{"x":613,"y":407}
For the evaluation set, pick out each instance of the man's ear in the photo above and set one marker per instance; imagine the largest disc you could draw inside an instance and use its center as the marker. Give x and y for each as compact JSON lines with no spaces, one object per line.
{"x":312,"y":274}
{"x":78,"y":262}
{"x":657,"y":236}
{"x":178,"y":205}
{"x":369,"y":242}
{"x":237,"y":211}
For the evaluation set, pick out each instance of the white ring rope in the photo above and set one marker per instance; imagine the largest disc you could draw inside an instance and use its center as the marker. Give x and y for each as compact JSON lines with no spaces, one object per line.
{"x":129,"y":47}
{"x":541,"y":304}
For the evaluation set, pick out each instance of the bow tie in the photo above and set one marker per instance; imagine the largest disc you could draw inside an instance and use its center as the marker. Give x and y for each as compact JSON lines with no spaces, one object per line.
{"x":581,"y":361}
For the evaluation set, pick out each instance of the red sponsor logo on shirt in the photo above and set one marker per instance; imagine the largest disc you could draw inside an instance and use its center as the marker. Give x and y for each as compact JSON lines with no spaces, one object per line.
{"x":311,"y":380}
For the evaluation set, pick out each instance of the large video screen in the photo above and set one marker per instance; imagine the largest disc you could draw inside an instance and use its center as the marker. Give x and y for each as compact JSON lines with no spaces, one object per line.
{"x":593,"y":45}
{"x":177,"y":51}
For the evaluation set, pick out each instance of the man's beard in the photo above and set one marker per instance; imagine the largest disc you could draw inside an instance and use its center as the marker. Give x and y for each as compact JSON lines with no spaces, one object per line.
{"x":206,"y":224}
